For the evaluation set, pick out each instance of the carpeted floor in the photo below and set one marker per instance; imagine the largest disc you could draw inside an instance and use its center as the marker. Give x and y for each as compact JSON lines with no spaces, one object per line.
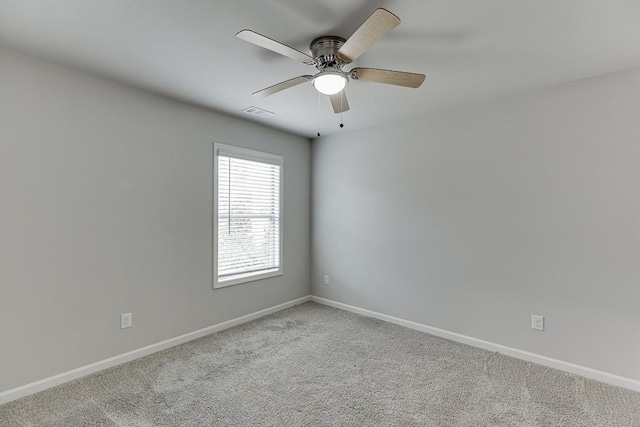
{"x":313,"y":365}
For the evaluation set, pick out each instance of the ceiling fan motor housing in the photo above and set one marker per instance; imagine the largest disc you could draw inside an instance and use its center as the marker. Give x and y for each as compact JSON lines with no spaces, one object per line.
{"x":325,"y":51}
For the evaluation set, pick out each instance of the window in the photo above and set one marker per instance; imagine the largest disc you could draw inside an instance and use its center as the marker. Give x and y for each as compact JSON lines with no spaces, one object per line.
{"x":247,"y":215}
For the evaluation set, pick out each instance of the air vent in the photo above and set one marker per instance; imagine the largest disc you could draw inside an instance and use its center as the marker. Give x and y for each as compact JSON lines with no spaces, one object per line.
{"x":255,"y":111}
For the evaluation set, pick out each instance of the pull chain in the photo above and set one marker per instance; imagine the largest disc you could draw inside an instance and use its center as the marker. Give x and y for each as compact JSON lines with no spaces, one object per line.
{"x":318,"y":114}
{"x":341,"y":108}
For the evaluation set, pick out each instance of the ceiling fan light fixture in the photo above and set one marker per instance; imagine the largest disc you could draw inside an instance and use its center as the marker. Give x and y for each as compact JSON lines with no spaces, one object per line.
{"x":330,"y":82}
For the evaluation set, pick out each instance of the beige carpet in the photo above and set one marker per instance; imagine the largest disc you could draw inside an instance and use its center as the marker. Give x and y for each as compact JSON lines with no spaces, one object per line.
{"x":317,"y":366}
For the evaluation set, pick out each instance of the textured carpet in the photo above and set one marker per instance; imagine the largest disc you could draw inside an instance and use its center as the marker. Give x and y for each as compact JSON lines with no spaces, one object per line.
{"x":313,"y":365}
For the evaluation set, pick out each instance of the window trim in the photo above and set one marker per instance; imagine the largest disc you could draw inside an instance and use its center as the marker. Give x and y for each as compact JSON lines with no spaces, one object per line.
{"x":254,"y":155}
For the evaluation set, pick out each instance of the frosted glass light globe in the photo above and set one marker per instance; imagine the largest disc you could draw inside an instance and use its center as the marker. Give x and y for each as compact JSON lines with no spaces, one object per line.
{"x":329,"y":82}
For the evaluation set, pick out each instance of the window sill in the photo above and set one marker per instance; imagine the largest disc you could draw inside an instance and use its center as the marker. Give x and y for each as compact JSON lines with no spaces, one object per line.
{"x":236,"y":280}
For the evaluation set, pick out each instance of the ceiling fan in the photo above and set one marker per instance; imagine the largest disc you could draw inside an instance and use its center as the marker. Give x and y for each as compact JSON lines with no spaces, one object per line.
{"x":330,"y":54}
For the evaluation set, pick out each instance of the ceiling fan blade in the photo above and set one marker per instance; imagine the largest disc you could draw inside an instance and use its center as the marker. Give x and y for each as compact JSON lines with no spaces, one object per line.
{"x":282,"y":86}
{"x":275,"y":46}
{"x":377,"y":25}
{"x":339,"y":102}
{"x":390,"y":77}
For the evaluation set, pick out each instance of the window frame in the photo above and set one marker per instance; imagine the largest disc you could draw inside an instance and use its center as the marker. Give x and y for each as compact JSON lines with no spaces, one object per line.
{"x":259,"y":156}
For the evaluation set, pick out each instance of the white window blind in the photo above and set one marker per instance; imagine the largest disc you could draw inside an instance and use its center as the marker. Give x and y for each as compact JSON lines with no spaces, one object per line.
{"x":248,"y":216}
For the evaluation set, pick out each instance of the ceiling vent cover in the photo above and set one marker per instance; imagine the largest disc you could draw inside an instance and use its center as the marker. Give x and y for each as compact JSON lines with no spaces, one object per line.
{"x":255,"y":111}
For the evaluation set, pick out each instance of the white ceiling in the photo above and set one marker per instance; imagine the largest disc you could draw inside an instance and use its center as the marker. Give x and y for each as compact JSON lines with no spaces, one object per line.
{"x":470,"y":50}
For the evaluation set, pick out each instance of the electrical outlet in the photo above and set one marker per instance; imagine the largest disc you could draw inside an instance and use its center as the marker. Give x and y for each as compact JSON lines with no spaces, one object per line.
{"x":326,"y":279}
{"x":126,"y":320}
{"x":537,"y":322}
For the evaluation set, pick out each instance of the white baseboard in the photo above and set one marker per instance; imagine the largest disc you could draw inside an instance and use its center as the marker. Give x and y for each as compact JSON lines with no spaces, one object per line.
{"x":40,"y":385}
{"x":594,"y":374}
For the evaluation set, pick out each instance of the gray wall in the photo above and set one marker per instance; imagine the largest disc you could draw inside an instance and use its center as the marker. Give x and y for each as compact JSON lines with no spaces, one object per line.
{"x":474,"y":219}
{"x":106,"y":208}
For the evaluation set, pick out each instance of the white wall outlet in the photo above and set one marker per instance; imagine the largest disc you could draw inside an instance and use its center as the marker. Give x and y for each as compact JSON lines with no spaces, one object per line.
{"x":126,"y":320}
{"x":326,"y":279}
{"x":537,"y":322}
